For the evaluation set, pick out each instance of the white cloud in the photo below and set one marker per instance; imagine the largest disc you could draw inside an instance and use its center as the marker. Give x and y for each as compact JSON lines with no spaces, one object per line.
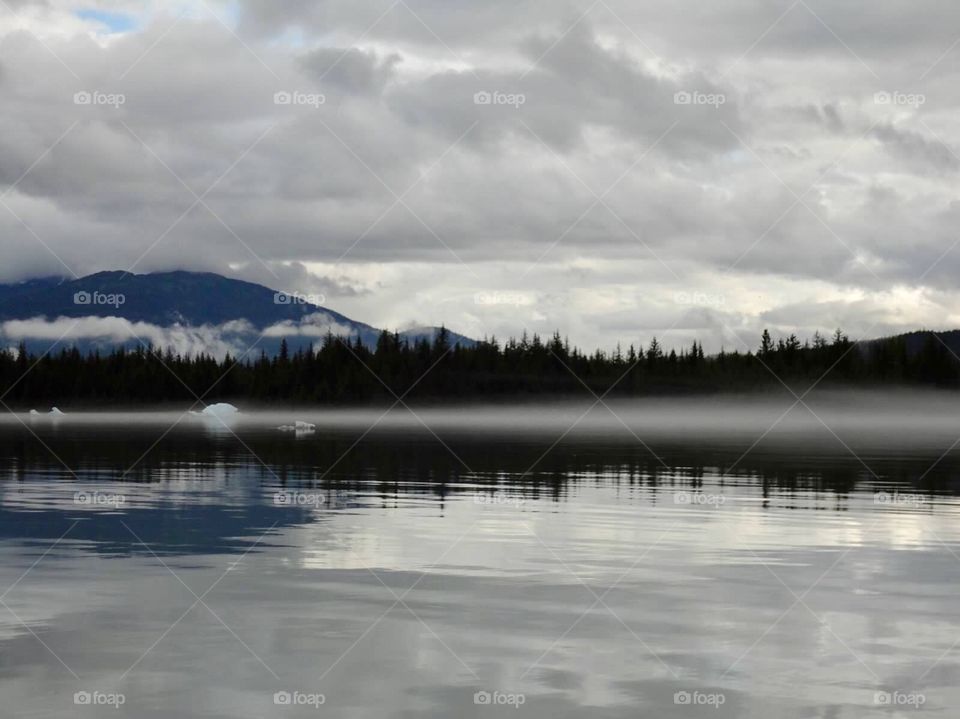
{"x":214,"y":340}
{"x":799,"y":180}
{"x":318,"y":324}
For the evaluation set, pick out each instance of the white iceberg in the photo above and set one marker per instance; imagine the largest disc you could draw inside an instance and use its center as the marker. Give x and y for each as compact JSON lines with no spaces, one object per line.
{"x":33,"y":412}
{"x":218,"y":418}
{"x":219,"y":410}
{"x":55,"y":411}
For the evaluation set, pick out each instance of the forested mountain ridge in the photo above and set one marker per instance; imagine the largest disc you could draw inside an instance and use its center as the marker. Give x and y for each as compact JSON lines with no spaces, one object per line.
{"x":190,"y":299}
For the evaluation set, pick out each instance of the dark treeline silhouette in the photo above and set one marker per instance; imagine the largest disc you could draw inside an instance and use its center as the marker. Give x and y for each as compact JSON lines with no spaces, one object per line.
{"x":344,"y":371}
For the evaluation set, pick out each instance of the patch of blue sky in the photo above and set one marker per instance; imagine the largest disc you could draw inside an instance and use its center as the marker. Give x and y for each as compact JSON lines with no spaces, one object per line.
{"x":114,"y":22}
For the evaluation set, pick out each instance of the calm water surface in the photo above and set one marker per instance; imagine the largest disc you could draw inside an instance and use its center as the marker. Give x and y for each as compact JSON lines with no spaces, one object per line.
{"x":186,"y":569}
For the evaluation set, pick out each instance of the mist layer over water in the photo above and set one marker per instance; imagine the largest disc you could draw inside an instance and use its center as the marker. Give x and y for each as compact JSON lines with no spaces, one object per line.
{"x":901,"y":416}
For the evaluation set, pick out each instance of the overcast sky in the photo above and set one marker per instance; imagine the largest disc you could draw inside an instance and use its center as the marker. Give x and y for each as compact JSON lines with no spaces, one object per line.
{"x":613,"y":169}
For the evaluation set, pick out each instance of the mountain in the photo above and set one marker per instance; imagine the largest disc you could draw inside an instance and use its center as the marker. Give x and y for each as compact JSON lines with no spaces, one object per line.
{"x":190,"y":311}
{"x":916,"y":341}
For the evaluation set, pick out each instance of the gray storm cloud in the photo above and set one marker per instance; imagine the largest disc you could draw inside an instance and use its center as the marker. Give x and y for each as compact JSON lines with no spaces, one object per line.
{"x":600,"y":157}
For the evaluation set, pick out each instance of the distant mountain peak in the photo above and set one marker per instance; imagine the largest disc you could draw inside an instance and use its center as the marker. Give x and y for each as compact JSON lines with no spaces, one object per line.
{"x":177,"y":298}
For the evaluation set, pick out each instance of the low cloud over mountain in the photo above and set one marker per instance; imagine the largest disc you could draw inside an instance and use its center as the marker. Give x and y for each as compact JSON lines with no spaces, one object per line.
{"x":188,"y":313}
